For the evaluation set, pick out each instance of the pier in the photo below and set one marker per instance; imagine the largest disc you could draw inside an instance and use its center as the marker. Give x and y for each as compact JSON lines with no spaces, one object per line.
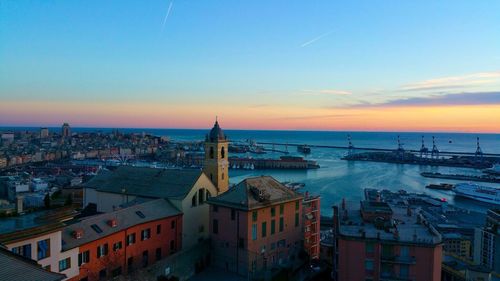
{"x":441,"y":153}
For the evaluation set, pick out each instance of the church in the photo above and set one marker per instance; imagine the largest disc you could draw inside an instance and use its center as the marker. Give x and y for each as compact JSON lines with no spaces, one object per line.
{"x":188,"y":190}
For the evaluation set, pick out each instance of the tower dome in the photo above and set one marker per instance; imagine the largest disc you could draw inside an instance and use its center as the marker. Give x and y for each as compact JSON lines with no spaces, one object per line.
{"x":216,"y":133}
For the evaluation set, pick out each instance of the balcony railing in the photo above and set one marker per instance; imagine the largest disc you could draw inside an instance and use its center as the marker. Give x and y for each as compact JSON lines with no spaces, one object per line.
{"x":397,"y":259}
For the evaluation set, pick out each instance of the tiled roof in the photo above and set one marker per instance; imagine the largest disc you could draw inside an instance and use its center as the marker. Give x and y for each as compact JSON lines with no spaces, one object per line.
{"x":98,"y":226}
{"x":146,"y":182}
{"x":17,"y":268}
{"x":245,"y":194}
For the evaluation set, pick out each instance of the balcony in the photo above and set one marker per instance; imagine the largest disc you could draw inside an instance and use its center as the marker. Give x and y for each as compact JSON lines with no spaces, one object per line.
{"x":397,"y":259}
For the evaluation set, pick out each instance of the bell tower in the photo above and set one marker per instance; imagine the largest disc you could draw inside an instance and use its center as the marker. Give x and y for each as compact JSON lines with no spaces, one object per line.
{"x":216,"y":164}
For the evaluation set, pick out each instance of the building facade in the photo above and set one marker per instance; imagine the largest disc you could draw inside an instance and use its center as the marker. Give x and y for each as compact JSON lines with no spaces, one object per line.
{"x":122,"y":241}
{"x":311,"y":223}
{"x":256,"y":226}
{"x":487,"y":242}
{"x":378,"y":242}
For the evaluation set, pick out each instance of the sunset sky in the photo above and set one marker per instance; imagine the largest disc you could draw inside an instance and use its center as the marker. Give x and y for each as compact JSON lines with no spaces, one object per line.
{"x":311,"y":65}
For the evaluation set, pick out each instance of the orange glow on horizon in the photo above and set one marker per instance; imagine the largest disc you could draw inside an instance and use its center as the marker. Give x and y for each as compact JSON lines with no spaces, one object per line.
{"x":484,"y":118}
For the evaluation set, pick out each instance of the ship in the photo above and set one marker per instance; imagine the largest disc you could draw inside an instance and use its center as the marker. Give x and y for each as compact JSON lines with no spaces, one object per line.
{"x":442,"y":186}
{"x":304,"y":149}
{"x":495,"y":170}
{"x":478,"y":192}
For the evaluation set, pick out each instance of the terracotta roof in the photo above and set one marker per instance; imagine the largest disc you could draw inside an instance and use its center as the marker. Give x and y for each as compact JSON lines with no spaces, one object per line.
{"x":99,"y":226}
{"x":254,"y":193}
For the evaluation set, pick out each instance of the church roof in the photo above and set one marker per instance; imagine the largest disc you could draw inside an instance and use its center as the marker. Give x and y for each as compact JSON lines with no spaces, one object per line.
{"x":146,"y":182}
{"x":254,"y":193}
{"x":216,"y":133}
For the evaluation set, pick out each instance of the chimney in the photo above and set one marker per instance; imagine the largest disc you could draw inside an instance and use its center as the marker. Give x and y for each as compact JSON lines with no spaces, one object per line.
{"x":343,"y":203}
{"x":112,"y":222}
{"x":78,"y":233}
{"x":19,"y":205}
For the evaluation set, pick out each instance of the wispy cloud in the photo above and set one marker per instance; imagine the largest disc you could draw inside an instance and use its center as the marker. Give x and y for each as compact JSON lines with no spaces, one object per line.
{"x":307,"y":43}
{"x":325,"y":92}
{"x":167,"y":15}
{"x":454,"y":82}
{"x":312,"y":117}
{"x":470,"y":98}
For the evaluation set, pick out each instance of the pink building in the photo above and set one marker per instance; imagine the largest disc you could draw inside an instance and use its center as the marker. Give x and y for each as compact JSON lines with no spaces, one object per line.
{"x":381,"y":242}
{"x":256,"y":226}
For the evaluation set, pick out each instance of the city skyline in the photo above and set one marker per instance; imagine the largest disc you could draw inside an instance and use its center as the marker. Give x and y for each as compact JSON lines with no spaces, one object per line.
{"x":358,"y":66}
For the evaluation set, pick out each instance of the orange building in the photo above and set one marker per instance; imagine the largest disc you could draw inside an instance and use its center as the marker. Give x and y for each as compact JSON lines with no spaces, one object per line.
{"x":381,"y":242}
{"x":121,"y":241}
{"x":256,"y":226}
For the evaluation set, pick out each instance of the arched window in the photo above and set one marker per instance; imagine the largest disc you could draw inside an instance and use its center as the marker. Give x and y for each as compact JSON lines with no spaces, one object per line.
{"x":193,"y":201}
{"x":222,"y":152}
{"x":211,"y":152}
{"x":201,"y":196}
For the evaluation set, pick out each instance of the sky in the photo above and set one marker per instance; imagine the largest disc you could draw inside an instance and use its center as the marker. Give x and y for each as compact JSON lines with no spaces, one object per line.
{"x":369,"y":65}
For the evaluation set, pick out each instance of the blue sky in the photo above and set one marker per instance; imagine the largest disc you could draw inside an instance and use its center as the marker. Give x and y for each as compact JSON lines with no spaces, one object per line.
{"x":311,"y":54}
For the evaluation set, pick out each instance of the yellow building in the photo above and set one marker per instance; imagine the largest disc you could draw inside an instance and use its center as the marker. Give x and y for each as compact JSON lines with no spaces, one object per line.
{"x":216,"y":164}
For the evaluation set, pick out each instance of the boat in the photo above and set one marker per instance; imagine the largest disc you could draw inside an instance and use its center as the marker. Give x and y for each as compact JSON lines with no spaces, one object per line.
{"x":478,"y":192}
{"x":495,"y":170}
{"x":304,"y":149}
{"x":441,"y":186}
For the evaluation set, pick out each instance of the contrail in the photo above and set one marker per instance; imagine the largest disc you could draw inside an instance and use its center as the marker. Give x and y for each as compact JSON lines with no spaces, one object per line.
{"x":166,"y":16}
{"x":315,"y":39}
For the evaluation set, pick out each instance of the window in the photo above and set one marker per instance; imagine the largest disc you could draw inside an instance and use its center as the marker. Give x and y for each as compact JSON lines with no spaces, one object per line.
{"x":64,"y":264}
{"x":102,"y":250}
{"x":404,"y":251}
{"x":193,"y":201}
{"x":130,"y":264}
{"x":273,"y":227}
{"x":273,"y":211}
{"x":369,"y":247}
{"x":273,"y":246}
{"x":96,"y":228}
{"x":172,"y":224}
{"x":158,"y":229}
{"x":145,"y":258}
{"x":215,"y":226}
{"x":24,"y":250}
{"x":297,"y":205}
{"x":83,"y":257}
{"x":296,"y":219}
{"x":264,"y":229}
{"x":254,"y":216}
{"x":282,"y":209}
{"x":117,"y":246}
{"x":215,"y":208}
{"x":369,"y":265}
{"x":233,"y":214}
{"x":201,"y":196}
{"x":282,"y":224}
{"x":43,"y":249}
{"x":116,"y":272}
{"x":403,"y":270}
{"x":172,"y":246}
{"x":158,"y":254}
{"x":211,"y":152}
{"x":282,"y":243}
{"x":145,"y":234}
{"x":102,"y":274}
{"x":140,"y":214}
{"x":222,"y":176}
{"x":222,"y":152}
{"x":254,"y":231}
{"x":131,"y":239}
